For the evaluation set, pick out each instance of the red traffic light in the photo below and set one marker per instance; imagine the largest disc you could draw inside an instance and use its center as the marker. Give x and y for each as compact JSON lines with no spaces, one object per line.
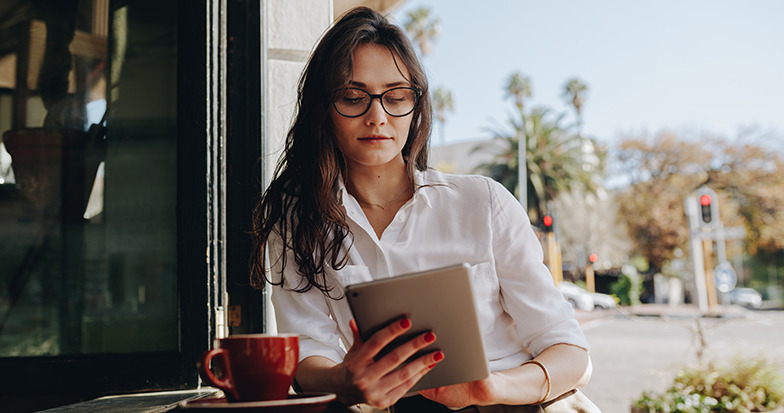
{"x":592,"y":258}
{"x":547,"y":221}
{"x":705,"y":209}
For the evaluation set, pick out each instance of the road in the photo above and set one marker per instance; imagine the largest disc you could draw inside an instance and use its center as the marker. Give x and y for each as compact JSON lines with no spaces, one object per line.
{"x":633,"y":351}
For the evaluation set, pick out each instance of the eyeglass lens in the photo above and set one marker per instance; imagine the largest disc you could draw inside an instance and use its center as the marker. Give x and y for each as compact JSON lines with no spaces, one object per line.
{"x":352,"y":102}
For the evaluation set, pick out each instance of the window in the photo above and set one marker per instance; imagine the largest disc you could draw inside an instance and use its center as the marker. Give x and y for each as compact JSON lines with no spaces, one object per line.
{"x":120,"y":191}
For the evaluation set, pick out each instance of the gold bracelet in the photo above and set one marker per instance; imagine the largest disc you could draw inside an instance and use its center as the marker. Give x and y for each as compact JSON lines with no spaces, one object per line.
{"x":546,"y":378}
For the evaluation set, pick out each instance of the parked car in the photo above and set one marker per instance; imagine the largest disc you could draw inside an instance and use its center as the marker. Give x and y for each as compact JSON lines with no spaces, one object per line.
{"x":576,"y":296}
{"x":747,"y":297}
{"x":603,"y":301}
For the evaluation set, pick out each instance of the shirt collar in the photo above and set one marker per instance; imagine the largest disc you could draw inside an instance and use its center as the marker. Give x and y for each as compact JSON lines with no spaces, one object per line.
{"x":420,"y":190}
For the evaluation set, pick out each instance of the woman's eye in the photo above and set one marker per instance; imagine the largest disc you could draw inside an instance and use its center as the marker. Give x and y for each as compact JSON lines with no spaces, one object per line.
{"x":352,"y":100}
{"x":396,"y":97}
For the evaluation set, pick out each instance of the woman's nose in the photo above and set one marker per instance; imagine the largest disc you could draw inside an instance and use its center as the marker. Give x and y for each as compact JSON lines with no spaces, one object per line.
{"x":376,"y":115}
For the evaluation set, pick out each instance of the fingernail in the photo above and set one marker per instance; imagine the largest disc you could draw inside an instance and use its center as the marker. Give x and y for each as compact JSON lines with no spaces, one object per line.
{"x":405,"y":323}
{"x":430,"y":337}
{"x":438,"y":356}
{"x":431,"y":366}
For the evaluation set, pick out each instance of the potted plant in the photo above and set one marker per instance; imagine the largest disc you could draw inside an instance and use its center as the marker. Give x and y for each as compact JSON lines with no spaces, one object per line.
{"x":740,"y":386}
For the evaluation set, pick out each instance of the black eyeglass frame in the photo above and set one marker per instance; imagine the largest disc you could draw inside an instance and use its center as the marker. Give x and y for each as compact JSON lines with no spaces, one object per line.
{"x":417,"y":95}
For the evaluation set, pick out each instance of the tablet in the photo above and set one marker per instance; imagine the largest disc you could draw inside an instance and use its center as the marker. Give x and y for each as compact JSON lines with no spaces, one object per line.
{"x":439,"y":300}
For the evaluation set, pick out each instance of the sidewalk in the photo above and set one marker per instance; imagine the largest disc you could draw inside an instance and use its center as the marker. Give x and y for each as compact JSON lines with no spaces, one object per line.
{"x":681,"y":311}
{"x":642,"y":348}
{"x":684,"y":311}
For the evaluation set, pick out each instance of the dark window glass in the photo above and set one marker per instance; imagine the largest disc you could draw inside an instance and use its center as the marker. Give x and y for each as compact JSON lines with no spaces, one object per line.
{"x":88,"y":179}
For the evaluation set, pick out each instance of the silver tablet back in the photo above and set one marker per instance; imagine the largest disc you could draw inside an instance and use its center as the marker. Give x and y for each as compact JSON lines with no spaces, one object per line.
{"x":439,"y":300}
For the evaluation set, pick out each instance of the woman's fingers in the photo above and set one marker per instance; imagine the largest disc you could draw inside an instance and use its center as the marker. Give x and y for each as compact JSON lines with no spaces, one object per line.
{"x":368,"y":350}
{"x":398,"y":383}
{"x":352,"y":324}
{"x":385,"y":380}
{"x":360,"y":366}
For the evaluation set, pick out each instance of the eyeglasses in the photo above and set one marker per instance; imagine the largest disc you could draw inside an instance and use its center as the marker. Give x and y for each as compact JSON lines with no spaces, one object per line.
{"x":352,"y":102}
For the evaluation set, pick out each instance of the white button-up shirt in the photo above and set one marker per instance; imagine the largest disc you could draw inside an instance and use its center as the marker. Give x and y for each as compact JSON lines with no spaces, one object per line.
{"x":450,"y":219}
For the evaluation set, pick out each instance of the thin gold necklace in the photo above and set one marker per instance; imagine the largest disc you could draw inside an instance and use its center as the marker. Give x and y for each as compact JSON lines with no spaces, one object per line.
{"x":386,"y":205}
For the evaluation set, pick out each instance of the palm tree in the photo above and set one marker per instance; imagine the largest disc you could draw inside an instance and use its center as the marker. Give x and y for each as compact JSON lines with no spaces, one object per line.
{"x":554,"y":160}
{"x":518,"y":87}
{"x":422,"y":29}
{"x":575,"y":93}
{"x":442,"y":103}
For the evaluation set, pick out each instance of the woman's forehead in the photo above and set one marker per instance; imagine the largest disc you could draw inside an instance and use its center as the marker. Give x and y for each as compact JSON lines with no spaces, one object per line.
{"x":374,"y":65}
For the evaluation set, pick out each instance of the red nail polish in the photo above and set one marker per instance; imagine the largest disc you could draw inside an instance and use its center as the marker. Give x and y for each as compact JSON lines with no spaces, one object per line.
{"x":431,"y":366}
{"x":405,"y":323}
{"x":430,"y":337}
{"x":438,"y":356}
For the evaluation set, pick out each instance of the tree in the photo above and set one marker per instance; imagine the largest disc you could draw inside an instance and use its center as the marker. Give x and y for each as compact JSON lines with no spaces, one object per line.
{"x":664,"y":169}
{"x":518,"y":87}
{"x":422,"y":29}
{"x":442,"y":103}
{"x":661,"y":171}
{"x":555,"y":159}
{"x":750,"y":179}
{"x":575,"y":93}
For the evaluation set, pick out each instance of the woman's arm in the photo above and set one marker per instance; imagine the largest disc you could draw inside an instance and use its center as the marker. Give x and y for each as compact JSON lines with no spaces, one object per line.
{"x":359,"y":378}
{"x":569,"y":367}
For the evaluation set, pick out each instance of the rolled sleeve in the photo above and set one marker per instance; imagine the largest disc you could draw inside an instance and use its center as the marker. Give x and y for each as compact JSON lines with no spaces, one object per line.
{"x":542,"y":317}
{"x":306,"y":314}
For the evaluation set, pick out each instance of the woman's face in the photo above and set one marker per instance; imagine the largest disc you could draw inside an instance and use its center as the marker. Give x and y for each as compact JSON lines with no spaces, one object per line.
{"x":374,"y":138}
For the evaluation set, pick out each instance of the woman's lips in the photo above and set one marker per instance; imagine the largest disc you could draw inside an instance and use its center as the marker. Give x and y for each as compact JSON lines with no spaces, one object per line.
{"x":374,"y":138}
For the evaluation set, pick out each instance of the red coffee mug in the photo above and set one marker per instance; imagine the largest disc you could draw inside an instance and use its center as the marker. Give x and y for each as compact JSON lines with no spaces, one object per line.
{"x":252,"y":367}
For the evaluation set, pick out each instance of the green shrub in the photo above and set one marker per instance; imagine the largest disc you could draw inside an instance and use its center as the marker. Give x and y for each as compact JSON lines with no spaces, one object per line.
{"x":744,"y":385}
{"x":621,"y":289}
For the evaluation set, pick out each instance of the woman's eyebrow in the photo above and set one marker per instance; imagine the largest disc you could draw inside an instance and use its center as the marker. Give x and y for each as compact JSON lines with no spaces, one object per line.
{"x":388,"y":85}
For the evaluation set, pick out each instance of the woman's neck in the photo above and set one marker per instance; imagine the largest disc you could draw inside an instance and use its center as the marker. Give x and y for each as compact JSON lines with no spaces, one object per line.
{"x":380,"y":186}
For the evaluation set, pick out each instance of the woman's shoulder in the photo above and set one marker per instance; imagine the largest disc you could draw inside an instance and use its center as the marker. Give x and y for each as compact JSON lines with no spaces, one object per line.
{"x":435,"y":179}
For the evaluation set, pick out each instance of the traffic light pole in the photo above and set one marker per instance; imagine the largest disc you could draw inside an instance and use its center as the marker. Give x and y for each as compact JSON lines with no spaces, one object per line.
{"x":590,"y":282}
{"x":553,"y":259}
{"x":702,"y":211}
{"x":697,"y":253}
{"x":710,"y":285}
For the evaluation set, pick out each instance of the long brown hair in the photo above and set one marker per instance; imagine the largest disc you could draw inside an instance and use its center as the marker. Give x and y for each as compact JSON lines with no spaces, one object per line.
{"x":300,"y":204}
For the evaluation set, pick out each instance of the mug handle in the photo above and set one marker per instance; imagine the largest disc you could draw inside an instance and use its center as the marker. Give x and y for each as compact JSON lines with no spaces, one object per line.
{"x":226,"y":383}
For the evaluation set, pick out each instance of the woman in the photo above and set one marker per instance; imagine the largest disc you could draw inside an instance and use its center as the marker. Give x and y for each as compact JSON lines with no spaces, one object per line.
{"x":353,"y":200}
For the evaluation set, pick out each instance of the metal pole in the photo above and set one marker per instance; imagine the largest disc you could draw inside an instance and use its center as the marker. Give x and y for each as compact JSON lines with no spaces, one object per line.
{"x":710,"y":285}
{"x":522,"y":170}
{"x":698,"y":262}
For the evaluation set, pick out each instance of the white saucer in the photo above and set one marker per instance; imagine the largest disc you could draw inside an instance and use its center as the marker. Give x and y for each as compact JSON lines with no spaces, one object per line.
{"x":305,"y":402}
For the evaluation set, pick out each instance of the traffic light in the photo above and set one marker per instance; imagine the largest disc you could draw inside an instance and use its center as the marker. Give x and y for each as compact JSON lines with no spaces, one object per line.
{"x":592,"y":258}
{"x":705,"y":208}
{"x":547,"y":221}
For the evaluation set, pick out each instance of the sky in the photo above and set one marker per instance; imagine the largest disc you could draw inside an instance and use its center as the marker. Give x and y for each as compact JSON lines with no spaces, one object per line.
{"x":693,"y":67}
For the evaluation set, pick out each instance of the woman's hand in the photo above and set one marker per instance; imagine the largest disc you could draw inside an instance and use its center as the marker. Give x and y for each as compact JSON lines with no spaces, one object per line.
{"x":380,"y":383}
{"x":569,"y":368}
{"x":457,"y":396}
